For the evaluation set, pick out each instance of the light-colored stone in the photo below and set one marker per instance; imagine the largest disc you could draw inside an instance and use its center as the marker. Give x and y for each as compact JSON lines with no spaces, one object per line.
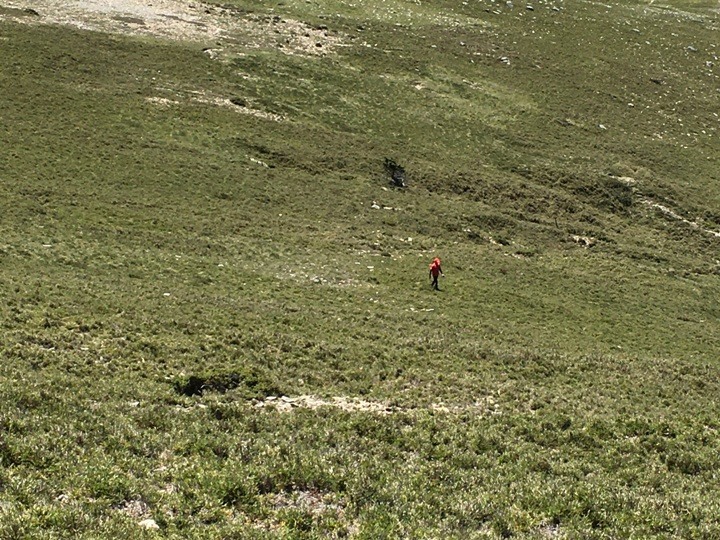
{"x":149,"y":524}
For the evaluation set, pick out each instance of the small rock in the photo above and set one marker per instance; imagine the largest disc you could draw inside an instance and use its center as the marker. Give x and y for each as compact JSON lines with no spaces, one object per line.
{"x":529,"y":8}
{"x":627,"y":180}
{"x":691,"y":48}
{"x":149,"y":524}
{"x":585,"y":241}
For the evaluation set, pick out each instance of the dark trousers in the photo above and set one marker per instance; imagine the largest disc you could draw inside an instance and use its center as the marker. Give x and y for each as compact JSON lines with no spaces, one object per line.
{"x":435,"y":282}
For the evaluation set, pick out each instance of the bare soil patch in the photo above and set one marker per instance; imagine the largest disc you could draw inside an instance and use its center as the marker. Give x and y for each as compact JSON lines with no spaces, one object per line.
{"x":485,"y":406}
{"x":208,"y":99}
{"x":225,"y":31}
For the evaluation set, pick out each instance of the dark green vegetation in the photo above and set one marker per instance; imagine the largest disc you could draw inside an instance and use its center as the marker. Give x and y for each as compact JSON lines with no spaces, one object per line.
{"x":164,"y":268}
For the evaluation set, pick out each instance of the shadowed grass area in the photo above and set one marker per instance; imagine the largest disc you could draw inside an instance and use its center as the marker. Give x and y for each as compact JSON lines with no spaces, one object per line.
{"x":190,"y":246}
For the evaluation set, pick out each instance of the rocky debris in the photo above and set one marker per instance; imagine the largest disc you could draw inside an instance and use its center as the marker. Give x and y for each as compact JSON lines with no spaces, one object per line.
{"x":585,"y":241}
{"x":230,"y":29}
{"x":483,"y":406}
{"x":238,"y":104}
{"x":259,"y":162}
{"x":627,"y":180}
{"x":565,"y":122}
{"x":212,"y":53}
{"x":312,"y":502}
{"x":287,"y":403}
{"x":135,"y":508}
{"x":550,"y":531}
{"x":376,"y":206}
{"x":674,"y":215}
{"x":163,"y":102}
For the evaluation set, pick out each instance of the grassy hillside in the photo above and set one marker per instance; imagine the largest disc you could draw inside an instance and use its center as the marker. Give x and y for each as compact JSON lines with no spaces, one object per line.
{"x":216,"y":312}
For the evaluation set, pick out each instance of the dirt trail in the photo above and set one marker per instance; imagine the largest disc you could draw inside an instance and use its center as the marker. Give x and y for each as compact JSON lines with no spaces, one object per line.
{"x":220,"y":30}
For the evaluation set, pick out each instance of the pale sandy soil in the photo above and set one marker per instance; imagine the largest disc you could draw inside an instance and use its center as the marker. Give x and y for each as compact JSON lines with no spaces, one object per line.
{"x":220,"y":30}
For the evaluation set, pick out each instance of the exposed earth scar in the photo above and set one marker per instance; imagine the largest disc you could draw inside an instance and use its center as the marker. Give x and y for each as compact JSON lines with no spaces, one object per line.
{"x":223,"y":31}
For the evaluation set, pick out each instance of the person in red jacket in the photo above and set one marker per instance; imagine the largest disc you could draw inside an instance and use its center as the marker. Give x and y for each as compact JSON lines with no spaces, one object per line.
{"x":435,"y":272}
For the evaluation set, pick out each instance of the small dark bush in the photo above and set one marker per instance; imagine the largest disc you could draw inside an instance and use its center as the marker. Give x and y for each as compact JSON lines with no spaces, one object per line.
{"x":396,"y":172}
{"x":239,"y":495}
{"x":251,"y":381}
{"x":606,"y":193}
{"x":8,"y":457}
{"x":683,"y":462}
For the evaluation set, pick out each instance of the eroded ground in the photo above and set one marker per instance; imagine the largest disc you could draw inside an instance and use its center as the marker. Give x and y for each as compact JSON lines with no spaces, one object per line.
{"x":221,"y":30}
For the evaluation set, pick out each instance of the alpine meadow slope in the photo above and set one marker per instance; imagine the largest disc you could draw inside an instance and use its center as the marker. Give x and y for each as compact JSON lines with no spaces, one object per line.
{"x":217,"y":320}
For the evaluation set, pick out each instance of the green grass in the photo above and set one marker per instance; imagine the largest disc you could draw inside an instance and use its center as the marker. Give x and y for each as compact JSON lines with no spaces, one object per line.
{"x":550,"y":390}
